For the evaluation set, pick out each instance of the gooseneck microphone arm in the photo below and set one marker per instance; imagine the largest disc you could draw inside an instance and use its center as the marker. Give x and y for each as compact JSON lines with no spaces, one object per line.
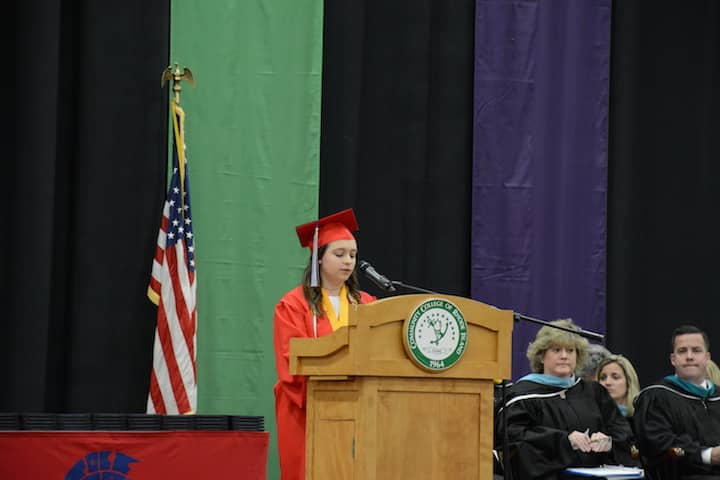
{"x":579,"y":331}
{"x":388,"y":285}
{"x":385,"y":283}
{"x":413,"y":288}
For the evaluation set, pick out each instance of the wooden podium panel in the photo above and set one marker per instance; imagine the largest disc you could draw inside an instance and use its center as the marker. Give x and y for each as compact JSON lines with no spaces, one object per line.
{"x":373,"y":413}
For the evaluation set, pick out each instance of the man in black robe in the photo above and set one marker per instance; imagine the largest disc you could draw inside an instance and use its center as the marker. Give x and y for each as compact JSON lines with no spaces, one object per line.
{"x":682,"y":411}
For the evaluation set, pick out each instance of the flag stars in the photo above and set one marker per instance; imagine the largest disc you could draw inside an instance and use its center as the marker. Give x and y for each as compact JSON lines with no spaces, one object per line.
{"x":180,"y":229}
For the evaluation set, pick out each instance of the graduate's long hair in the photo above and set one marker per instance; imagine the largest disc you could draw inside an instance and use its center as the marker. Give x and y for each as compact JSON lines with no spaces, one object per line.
{"x":552,"y":337}
{"x":631,"y":379}
{"x":313,"y":295}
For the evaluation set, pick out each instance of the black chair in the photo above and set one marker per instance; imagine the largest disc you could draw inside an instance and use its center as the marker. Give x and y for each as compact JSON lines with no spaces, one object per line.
{"x":248,"y":423}
{"x":498,"y":467}
{"x":74,"y":421}
{"x":664,"y":467}
{"x":144,"y":422}
{"x":110,"y":421}
{"x":178,"y":422}
{"x":10,"y":421}
{"x":212,"y":422}
{"x":38,"y":421}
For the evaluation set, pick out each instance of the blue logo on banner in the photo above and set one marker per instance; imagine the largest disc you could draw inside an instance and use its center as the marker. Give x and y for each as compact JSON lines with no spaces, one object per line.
{"x":104,"y":465}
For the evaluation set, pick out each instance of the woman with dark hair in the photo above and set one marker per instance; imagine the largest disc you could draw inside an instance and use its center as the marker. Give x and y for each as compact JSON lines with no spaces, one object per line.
{"x":557,"y":420}
{"x":317,"y":307}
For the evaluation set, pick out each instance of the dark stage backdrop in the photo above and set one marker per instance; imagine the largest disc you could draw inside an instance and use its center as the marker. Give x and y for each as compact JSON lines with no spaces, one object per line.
{"x":85,"y":186}
{"x":663,"y":257}
{"x":88,"y":167}
{"x":396,"y":136}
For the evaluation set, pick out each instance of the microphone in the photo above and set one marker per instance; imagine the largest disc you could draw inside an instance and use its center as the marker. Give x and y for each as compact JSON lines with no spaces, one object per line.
{"x":377,"y":278}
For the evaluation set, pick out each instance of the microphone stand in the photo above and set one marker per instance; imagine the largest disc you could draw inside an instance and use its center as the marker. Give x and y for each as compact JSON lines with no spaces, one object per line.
{"x":412,"y":287}
{"x":581,"y":332}
{"x":516,"y":316}
{"x":507,"y":474}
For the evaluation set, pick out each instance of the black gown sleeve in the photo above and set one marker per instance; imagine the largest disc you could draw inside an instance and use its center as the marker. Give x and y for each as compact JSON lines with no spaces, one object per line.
{"x":616,"y":426}
{"x":655,"y":431}
{"x":536,"y":450}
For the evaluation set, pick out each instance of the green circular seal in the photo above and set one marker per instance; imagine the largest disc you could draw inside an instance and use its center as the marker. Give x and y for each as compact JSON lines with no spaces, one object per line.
{"x":435,"y":334}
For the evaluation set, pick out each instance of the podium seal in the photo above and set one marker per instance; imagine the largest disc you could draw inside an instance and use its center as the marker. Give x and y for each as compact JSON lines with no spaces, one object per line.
{"x":435,"y":335}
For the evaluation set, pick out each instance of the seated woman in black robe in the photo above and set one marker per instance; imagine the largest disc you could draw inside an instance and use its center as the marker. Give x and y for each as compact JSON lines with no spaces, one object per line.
{"x":555,"y":420}
{"x":620,"y":379}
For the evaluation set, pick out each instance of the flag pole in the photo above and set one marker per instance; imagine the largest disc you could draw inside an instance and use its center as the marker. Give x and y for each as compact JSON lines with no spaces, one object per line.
{"x":177,"y":76}
{"x":178,"y":115}
{"x":173,"y":380}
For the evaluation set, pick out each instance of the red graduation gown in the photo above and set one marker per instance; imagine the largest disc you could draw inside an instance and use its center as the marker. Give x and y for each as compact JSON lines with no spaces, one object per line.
{"x":293,"y":318}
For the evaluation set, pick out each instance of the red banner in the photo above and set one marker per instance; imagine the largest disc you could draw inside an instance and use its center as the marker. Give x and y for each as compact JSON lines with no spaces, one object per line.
{"x":175,"y":455}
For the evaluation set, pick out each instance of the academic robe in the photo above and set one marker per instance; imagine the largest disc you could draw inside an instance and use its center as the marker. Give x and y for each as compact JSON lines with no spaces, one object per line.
{"x":668,"y":416}
{"x":540,"y":418}
{"x":293,"y":318}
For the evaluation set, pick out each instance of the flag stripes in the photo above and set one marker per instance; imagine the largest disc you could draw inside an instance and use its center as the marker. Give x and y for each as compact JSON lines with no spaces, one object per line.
{"x":173,"y":382}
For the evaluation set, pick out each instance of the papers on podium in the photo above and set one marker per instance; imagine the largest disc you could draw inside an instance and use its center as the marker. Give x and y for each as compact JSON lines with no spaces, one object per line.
{"x":615,"y":472}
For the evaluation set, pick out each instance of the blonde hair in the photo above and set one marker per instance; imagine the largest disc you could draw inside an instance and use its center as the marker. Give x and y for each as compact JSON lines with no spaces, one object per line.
{"x":713,"y":372}
{"x":548,"y":337}
{"x":631,"y":379}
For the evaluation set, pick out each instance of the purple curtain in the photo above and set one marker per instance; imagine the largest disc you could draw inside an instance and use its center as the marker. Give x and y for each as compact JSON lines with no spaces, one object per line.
{"x":540,"y":161}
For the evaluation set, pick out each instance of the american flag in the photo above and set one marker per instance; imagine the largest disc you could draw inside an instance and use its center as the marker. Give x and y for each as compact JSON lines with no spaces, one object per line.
{"x":173,"y":382}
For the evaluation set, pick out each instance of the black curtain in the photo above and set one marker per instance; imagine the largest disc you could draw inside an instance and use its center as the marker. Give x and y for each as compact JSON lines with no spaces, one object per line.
{"x":396,"y":134}
{"x":84,"y":191}
{"x":664,"y":182}
{"x":85,"y":184}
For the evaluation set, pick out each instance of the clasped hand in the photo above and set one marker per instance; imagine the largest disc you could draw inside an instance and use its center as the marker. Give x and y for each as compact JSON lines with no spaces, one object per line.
{"x":597,"y":442}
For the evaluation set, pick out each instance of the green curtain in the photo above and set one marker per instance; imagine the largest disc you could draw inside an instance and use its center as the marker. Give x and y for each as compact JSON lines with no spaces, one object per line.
{"x":252,"y":135}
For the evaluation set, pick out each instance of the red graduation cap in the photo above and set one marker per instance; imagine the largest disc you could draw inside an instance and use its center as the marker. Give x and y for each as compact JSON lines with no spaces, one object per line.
{"x":338,"y":226}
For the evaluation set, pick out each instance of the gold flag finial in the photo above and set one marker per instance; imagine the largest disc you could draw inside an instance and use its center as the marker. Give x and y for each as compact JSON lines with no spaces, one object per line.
{"x":177,"y":75}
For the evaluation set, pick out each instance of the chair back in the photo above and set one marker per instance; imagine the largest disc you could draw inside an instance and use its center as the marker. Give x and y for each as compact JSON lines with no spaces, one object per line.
{"x":664,"y":467}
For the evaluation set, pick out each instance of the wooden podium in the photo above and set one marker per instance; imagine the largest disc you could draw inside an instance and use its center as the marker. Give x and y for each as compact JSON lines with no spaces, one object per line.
{"x":375,"y":412}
